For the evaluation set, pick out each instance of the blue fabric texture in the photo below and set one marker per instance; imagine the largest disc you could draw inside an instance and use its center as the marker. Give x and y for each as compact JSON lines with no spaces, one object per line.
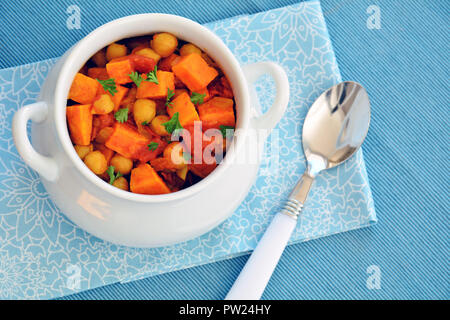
{"x":296,"y":37}
{"x":404,"y":66}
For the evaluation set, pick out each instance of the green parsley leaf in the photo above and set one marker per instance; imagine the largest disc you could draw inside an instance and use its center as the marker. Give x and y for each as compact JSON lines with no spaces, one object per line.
{"x":112,"y":176}
{"x":136,"y":77}
{"x":224,"y":129}
{"x":121,"y":115}
{"x":145,"y":123}
{"x":197,"y":98}
{"x":108,"y":85}
{"x":173,"y":124}
{"x":153,"y":146}
{"x":170,"y":95}
{"x":151,"y":76}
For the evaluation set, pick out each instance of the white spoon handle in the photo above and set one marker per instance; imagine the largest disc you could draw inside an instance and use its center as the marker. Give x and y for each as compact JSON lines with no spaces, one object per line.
{"x":254,"y":277}
{"x":257,"y":271}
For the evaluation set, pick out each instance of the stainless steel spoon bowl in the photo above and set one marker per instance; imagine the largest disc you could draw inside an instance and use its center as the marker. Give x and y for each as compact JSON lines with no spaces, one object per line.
{"x":334,"y":129}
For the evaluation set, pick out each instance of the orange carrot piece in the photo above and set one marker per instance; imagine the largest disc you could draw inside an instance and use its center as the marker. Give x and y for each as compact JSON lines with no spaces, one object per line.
{"x":216,"y":112}
{"x":195,"y":73}
{"x":119,"y":69}
{"x":98,"y":73}
{"x":156,"y":91}
{"x":128,"y":142}
{"x":79,"y":118}
{"x":185,"y":108}
{"x":145,"y":180}
{"x":83,"y":89}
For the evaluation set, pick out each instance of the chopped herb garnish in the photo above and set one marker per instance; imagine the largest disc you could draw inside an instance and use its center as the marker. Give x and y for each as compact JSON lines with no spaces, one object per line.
{"x":151,"y":76}
{"x":108,"y":85}
{"x":197,"y":98}
{"x":224,"y":130}
{"x":153,"y":146}
{"x":136,"y":77}
{"x":121,"y":115}
{"x":170,"y":95}
{"x":145,"y":123}
{"x":112,"y":176}
{"x":173,"y":124}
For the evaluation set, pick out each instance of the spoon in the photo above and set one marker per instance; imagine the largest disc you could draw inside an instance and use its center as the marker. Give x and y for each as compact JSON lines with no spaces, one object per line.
{"x":334,"y":129}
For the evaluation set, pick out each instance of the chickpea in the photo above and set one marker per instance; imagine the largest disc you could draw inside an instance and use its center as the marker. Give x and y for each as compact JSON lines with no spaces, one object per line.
{"x":96,"y":162}
{"x":174,"y":152}
{"x":99,"y":58}
{"x":121,"y":183}
{"x":189,"y":48}
{"x":144,"y":110}
{"x":121,"y":164}
{"x":104,"y":134}
{"x":157,"y":125}
{"x":164,"y":44}
{"x":179,"y":91}
{"x":103,"y":104}
{"x":82,"y":151}
{"x":149,"y":53}
{"x":115,"y":50}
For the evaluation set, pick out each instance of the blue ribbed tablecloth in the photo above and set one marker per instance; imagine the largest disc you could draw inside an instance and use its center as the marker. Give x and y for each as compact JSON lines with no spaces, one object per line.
{"x":404,"y":66}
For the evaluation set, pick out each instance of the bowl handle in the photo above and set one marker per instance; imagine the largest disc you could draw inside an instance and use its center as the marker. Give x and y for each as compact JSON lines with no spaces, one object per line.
{"x":270,"y":118}
{"x":36,"y":112}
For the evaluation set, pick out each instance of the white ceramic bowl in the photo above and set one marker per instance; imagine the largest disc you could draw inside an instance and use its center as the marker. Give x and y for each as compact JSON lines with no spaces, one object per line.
{"x":123,"y":217}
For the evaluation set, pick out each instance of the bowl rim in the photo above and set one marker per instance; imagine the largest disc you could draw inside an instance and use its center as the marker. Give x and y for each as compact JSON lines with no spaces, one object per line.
{"x":128,"y":26}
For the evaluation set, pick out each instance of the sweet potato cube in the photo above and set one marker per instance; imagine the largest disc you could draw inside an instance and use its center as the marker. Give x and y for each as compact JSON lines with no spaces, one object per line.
{"x":119,"y":70}
{"x":185,"y":108}
{"x":128,"y":142}
{"x":83,"y":89}
{"x":156,"y":91}
{"x":125,"y":140}
{"x":145,"y":180}
{"x":98,"y":73}
{"x":194,"y":72}
{"x":79,"y":118}
{"x":118,"y":96}
{"x":216,"y":112}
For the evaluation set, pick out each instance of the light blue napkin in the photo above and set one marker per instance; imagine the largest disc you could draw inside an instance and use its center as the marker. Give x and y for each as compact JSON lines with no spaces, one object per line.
{"x":43,"y":255}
